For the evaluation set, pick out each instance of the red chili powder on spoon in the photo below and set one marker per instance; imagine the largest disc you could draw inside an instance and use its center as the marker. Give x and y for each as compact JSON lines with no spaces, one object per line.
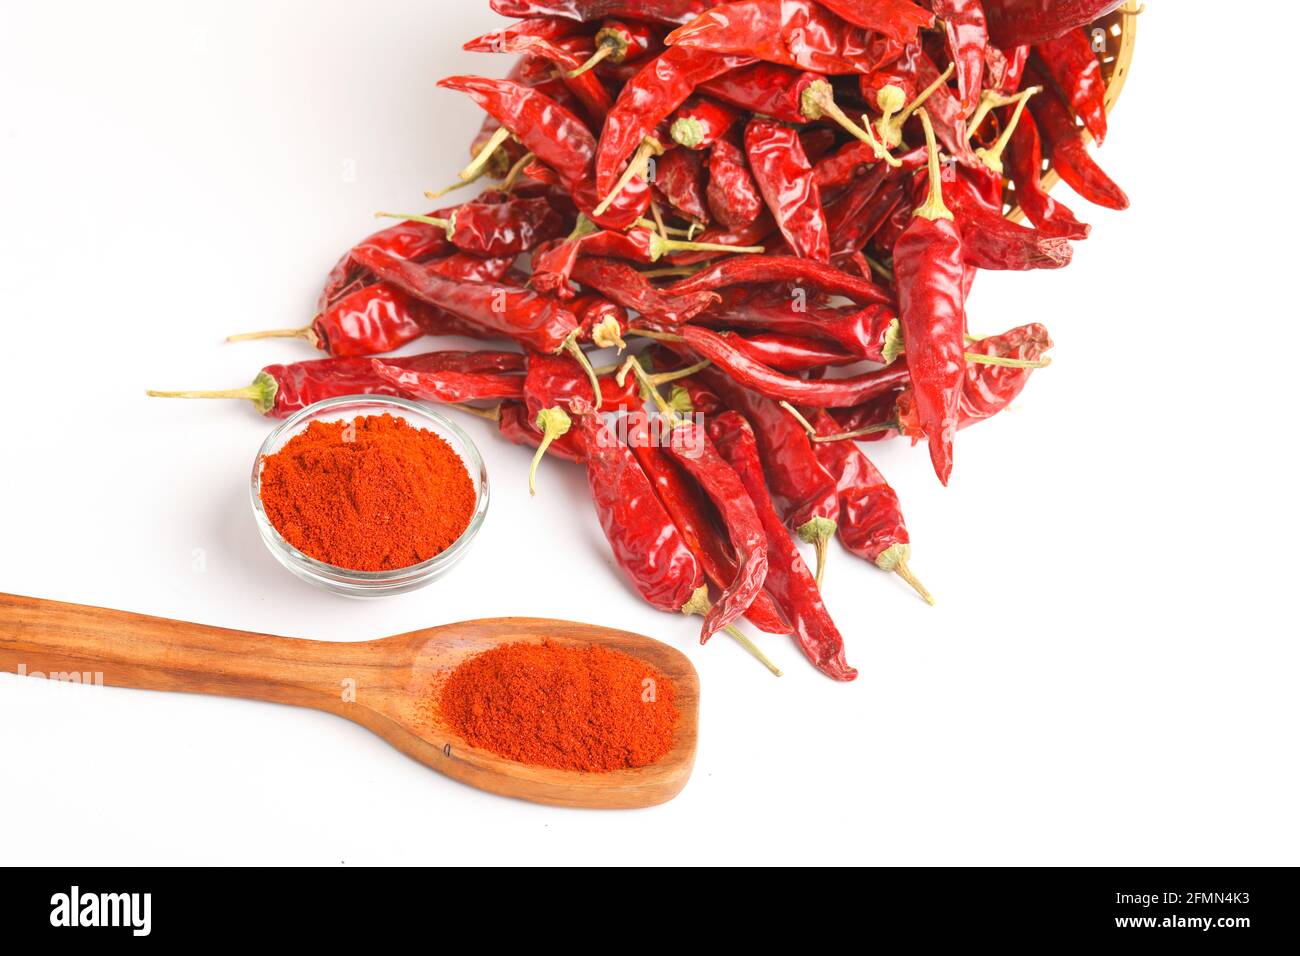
{"x":555,"y":705}
{"x":373,"y":494}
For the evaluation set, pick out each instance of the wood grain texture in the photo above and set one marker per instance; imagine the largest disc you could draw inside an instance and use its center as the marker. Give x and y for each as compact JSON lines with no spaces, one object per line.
{"x":395,"y":681}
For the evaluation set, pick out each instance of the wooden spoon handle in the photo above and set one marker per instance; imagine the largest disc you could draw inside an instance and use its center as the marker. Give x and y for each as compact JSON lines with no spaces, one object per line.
{"x":73,"y":642}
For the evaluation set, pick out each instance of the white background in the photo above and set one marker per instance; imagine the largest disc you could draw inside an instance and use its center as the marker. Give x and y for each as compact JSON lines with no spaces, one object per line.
{"x":1110,"y":675}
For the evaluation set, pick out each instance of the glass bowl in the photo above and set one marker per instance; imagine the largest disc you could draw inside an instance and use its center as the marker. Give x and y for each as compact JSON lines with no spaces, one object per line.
{"x":366,"y":584}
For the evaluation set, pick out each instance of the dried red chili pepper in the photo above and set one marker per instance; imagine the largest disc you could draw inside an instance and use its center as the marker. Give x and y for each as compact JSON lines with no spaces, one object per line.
{"x":759,"y":231}
{"x":871,"y":519}
{"x":968,"y":39}
{"x":620,"y":42}
{"x":690,"y":446}
{"x":600,"y":321}
{"x":658,"y":88}
{"x":281,"y":390}
{"x":656,"y":11}
{"x":945,"y":112}
{"x":1065,"y":143}
{"x":687,"y":506}
{"x":928,"y":267}
{"x":790,"y":353}
{"x":1019,"y":22}
{"x":558,"y":138}
{"x":750,"y":270}
{"x":804,"y":491}
{"x":646,"y":544}
{"x":1004,"y":69}
{"x":531,"y":320}
{"x":552,"y":39}
{"x":366,"y":321}
{"x":555,"y":380}
{"x":897,"y":19}
{"x":1070,"y":61}
{"x":406,"y":240}
{"x":679,"y":178}
{"x":797,"y":33}
{"x":528,"y":28}
{"x":839,"y":169}
{"x":856,"y":216}
{"x":786,"y":180}
{"x":751,"y":374}
{"x":732,"y":194}
{"x":890,"y":87}
{"x":791,"y":584}
{"x":538,"y":323}
{"x":497,"y":229}
{"x":990,"y":241}
{"x":766,"y":88}
{"x":624,"y":285}
{"x":449,"y":387}
{"x":554,"y":265}
{"x":987,"y":389}
{"x":517,"y":427}
{"x":552,"y":383}
{"x":375,"y":318}
{"x":701,"y":122}
{"x":872,"y":333}
{"x":1025,"y":169}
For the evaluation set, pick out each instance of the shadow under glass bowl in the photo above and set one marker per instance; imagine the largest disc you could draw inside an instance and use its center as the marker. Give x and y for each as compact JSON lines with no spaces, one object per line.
{"x":364,"y":584}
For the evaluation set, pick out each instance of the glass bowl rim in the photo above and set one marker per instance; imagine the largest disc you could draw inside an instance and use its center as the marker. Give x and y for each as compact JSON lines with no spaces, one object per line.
{"x":333,"y":572}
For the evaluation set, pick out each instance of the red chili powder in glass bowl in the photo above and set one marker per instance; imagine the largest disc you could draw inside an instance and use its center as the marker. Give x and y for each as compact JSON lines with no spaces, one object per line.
{"x":556,"y":705}
{"x":372,"y":494}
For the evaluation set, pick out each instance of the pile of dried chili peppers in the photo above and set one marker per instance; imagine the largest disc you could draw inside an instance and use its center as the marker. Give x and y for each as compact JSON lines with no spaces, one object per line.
{"x":774,"y":211}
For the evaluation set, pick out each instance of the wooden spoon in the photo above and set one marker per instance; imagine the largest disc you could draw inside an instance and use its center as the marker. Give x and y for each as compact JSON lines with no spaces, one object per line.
{"x":389,"y":686}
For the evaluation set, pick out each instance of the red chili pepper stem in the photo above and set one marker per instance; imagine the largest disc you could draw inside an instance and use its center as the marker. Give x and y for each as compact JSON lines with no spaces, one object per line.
{"x":573,"y":348}
{"x":658,"y":224}
{"x":609,"y":46}
{"x":638,"y":166}
{"x":661,"y":246}
{"x":890,"y":100}
{"x":607,"y":334}
{"x":477,"y":168}
{"x":656,"y":336}
{"x":513,"y":176}
{"x":934,"y":208}
{"x":553,"y":423}
{"x":699,"y":606}
{"x":895,"y":560}
{"x":979,"y":358}
{"x":650,"y":384}
{"x":886,"y":273}
{"x":687,"y":131}
{"x":990,"y":100}
{"x":477,"y":165}
{"x":818,"y":100}
{"x":893,"y":346}
{"x":891,"y":133}
{"x":261,"y":393}
{"x":306,"y":332}
{"x":818,"y":532}
{"x":816,"y":436}
{"x":448,"y":224}
{"x":992,"y":157}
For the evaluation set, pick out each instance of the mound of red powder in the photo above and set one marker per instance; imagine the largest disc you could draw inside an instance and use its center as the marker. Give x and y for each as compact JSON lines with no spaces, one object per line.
{"x":373,"y":494}
{"x":573,"y":708}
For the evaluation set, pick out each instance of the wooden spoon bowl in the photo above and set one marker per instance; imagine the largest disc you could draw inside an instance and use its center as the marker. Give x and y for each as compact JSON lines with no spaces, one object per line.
{"x":390,"y":686}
